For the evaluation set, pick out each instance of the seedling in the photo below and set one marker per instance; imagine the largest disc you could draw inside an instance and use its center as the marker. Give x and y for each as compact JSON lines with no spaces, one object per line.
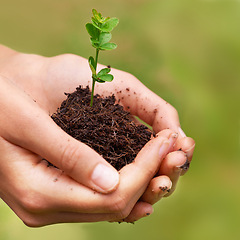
{"x":99,"y":31}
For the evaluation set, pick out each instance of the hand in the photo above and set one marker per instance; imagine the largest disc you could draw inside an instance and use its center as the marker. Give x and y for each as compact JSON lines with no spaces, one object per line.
{"x":45,"y":80}
{"x":141,"y":102}
{"x":41,"y":194}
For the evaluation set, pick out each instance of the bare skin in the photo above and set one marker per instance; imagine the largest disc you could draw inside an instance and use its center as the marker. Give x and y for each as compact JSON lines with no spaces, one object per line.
{"x":32,"y":88}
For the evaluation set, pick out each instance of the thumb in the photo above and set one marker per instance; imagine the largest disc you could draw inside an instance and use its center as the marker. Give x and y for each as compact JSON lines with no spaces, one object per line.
{"x":25,"y":124}
{"x":75,"y":158}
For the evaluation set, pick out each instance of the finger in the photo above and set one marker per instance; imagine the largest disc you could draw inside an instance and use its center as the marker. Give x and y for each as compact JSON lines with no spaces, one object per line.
{"x":142,"y":102}
{"x":150,"y":108}
{"x":140,"y":210}
{"x":33,"y":129}
{"x":38,"y":187}
{"x":186,"y":145}
{"x":142,"y":170}
{"x":50,"y":190}
{"x":158,"y":187}
{"x":134,"y":180}
{"x":39,"y":206}
{"x":172,"y":167}
{"x":173,"y":137}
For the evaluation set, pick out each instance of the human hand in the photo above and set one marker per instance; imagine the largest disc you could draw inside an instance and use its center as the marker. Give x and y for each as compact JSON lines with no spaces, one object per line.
{"x":45,"y":80}
{"x":141,"y":102}
{"x":41,"y":194}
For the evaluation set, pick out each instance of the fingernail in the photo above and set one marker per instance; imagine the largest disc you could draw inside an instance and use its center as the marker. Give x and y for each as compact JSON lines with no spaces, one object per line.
{"x":189,"y":152}
{"x":182,"y":163}
{"x":166,"y":187}
{"x":165,"y":190}
{"x":181,"y":132}
{"x":185,"y":166}
{"x":105,"y":178}
{"x":164,"y":147}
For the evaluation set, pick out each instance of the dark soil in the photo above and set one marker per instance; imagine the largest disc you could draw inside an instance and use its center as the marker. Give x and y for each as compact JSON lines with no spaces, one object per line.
{"x":106,"y":127}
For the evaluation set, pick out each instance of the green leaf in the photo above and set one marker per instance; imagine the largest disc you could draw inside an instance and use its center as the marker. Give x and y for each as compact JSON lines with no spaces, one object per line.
{"x":109,"y":25}
{"x":97,"y":79}
{"x":96,"y":15}
{"x":106,"y":19}
{"x":108,"y":46}
{"x":95,"y":43}
{"x":92,"y":30}
{"x":95,"y":22}
{"x":104,"y":37}
{"x":102,"y":43}
{"x":105,"y":78}
{"x":94,"y":12}
{"x":106,"y":25}
{"x":104,"y":71}
{"x":92,"y":64}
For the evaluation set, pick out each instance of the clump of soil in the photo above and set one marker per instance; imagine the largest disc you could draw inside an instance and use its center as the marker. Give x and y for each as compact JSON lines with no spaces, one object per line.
{"x":106,"y":127}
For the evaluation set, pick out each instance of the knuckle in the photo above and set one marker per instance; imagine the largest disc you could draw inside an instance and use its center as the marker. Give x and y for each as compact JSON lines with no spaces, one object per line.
{"x":173,"y":110}
{"x":123,"y":214}
{"x":69,"y":158}
{"x":149,"y":172}
{"x":165,"y":133}
{"x":119,"y":208}
{"x":32,"y":203}
{"x":66,"y":59}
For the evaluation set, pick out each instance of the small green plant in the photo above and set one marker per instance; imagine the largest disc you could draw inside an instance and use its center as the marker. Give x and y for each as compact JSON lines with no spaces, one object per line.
{"x":99,"y":31}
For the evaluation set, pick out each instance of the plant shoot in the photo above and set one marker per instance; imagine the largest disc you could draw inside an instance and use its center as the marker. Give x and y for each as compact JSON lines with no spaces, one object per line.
{"x":99,"y":31}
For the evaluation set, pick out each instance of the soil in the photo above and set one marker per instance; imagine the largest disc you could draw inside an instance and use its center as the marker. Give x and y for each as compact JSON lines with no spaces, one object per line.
{"x":106,"y":127}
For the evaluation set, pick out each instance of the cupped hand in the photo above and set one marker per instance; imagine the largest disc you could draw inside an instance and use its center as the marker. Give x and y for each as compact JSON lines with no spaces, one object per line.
{"x":45,"y":80}
{"x":136,"y":98}
{"x":41,"y":194}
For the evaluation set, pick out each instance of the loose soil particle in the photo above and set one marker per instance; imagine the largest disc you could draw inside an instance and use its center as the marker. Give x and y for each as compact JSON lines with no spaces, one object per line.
{"x":106,"y":127}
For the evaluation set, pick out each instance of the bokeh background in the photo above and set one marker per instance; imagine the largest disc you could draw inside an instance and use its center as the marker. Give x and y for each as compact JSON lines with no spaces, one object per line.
{"x":188,"y":52}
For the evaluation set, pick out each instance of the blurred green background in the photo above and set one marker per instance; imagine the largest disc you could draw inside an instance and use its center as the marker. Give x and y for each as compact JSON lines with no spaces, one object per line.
{"x":188,"y":52}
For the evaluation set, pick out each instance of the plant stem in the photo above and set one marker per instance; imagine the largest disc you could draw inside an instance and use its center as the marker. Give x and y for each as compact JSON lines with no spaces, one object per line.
{"x":96,"y":60}
{"x":92,"y":94}
{"x":93,"y":80}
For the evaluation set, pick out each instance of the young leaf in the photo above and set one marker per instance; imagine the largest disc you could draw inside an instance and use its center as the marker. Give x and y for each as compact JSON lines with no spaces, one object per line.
{"x":104,"y":37}
{"x":97,"y":79}
{"x":93,"y":31}
{"x":104,"y":71}
{"x":106,"y":19}
{"x":92,"y":64}
{"x":94,"y":12}
{"x":108,"y":46}
{"x":95,"y":22}
{"x":109,"y":25}
{"x":96,"y":15}
{"x":106,"y":78}
{"x":95,"y":43}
